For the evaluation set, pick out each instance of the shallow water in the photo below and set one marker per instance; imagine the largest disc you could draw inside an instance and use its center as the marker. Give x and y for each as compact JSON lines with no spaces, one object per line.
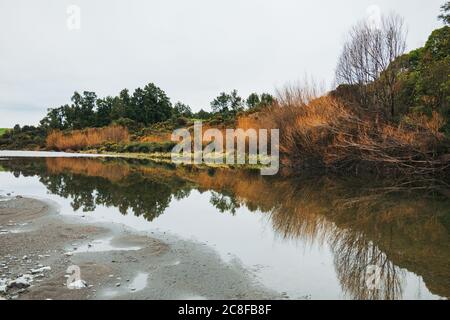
{"x":318,"y":239}
{"x":45,"y":154}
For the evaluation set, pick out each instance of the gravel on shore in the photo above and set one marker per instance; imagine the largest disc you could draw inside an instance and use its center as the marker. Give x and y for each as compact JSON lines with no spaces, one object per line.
{"x":45,"y":255}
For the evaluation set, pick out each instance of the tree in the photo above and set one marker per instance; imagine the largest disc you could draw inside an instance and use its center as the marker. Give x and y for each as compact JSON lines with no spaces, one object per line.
{"x":255,"y":101}
{"x":53,"y":119}
{"x":181,"y":109}
{"x":445,"y":15}
{"x":227,"y":103}
{"x":366,"y":58}
{"x":104,"y":109}
{"x":150,"y":105}
{"x":146,"y":106}
{"x":423,"y":83}
{"x":267,"y":100}
{"x":202,"y":114}
{"x":121,"y":105}
{"x":81,"y":114}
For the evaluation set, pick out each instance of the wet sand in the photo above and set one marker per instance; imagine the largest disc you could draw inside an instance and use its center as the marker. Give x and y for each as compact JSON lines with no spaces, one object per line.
{"x":38,"y":245}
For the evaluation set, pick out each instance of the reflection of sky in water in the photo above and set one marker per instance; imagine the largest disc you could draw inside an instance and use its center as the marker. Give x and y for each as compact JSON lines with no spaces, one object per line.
{"x":100,"y":245}
{"x":139,"y":282}
{"x":295,"y":267}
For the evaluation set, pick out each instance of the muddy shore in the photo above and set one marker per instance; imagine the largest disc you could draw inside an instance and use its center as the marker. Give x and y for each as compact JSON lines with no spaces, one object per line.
{"x":38,"y":246}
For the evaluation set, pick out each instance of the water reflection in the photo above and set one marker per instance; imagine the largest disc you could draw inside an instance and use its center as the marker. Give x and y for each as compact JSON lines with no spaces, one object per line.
{"x":365,"y":225}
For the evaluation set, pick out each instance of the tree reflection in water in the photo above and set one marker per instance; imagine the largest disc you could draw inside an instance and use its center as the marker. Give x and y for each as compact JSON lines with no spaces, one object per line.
{"x":365,"y":225}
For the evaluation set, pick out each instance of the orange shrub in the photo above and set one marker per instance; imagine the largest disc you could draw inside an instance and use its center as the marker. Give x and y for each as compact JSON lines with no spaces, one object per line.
{"x":88,"y":167}
{"x":325,"y":133}
{"x":421,"y":122}
{"x":158,"y":138}
{"x":82,"y":139}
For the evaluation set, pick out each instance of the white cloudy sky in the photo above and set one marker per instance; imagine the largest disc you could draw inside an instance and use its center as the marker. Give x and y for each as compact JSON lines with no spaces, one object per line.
{"x":192,"y":49}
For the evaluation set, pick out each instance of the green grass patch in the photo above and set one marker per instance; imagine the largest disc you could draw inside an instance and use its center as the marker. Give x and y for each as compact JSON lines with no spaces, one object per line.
{"x":2,"y":131}
{"x":138,"y":147}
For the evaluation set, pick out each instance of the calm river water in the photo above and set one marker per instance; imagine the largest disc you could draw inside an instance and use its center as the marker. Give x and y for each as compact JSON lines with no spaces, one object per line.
{"x":321,"y":238}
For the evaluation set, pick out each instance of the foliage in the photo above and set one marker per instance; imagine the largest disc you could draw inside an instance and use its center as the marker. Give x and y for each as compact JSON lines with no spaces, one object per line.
{"x":181,"y":109}
{"x":414,"y":85}
{"x":323,"y":133}
{"x":127,"y":123}
{"x":256,"y":102}
{"x":150,"y":105}
{"x":228,"y":104}
{"x":139,"y":147}
{"x":84,"y":139}
{"x":146,"y":106}
{"x":23,"y":137}
{"x":445,"y":16}
{"x":423,"y":81}
{"x":202,"y":115}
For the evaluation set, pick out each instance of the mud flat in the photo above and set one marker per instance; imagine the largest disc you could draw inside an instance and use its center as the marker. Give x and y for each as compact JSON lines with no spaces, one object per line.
{"x":38,"y":246}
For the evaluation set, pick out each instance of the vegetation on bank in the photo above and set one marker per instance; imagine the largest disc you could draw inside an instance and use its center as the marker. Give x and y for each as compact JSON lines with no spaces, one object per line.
{"x":23,"y":138}
{"x":389,"y":114}
{"x":323,"y":133}
{"x":81,"y":139}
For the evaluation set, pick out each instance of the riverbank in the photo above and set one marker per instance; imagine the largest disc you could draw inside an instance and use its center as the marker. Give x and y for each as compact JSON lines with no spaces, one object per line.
{"x":115,"y":262}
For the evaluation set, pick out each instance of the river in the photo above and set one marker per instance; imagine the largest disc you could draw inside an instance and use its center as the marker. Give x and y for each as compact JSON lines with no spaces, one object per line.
{"x":311,"y":238}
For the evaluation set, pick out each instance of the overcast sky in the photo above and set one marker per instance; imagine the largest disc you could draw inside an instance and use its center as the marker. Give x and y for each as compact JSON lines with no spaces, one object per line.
{"x":192,"y":49}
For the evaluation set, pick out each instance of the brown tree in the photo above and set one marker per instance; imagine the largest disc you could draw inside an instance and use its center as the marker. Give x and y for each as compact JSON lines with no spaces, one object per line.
{"x":366,"y":60}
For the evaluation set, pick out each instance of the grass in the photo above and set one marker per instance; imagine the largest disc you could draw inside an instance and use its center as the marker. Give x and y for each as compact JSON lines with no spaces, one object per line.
{"x":166,"y":157}
{"x":83,"y":139}
{"x":326,"y":134}
{"x":3,"y":131}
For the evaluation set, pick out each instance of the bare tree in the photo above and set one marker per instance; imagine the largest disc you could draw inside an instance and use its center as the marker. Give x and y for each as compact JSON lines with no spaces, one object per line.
{"x":367,"y":57}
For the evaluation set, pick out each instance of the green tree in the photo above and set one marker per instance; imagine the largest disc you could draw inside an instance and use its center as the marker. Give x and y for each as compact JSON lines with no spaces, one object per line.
{"x":227,"y":104}
{"x":445,"y":15}
{"x":121,"y":105}
{"x":253,"y":101}
{"x":82,"y":113}
{"x":423,"y":80}
{"x":53,"y":120}
{"x":256,"y":102}
{"x":150,"y":105}
{"x":181,"y":109}
{"x":103,"y":112}
{"x":267,"y":99}
{"x":202,"y":114}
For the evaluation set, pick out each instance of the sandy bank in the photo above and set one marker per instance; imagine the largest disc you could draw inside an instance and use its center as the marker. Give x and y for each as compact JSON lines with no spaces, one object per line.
{"x":39,"y":245}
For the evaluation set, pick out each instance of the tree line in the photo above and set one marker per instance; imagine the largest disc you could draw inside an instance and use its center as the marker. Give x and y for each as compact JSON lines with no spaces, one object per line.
{"x":145,"y":106}
{"x":135,"y":111}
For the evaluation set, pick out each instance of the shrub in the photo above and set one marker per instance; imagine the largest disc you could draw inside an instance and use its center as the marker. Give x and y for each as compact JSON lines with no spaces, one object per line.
{"x":324,"y":133}
{"x":181,"y":121}
{"x":82,"y":139}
